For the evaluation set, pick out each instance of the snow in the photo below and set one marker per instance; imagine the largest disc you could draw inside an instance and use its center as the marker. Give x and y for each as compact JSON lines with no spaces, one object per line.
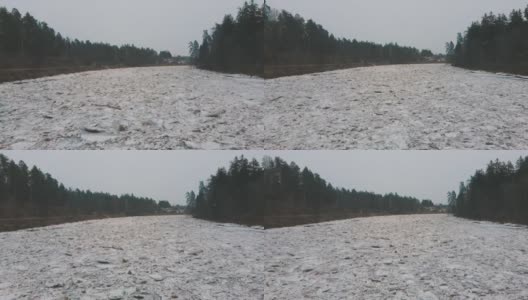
{"x":397,"y":257}
{"x":118,"y":258}
{"x":386,"y":107}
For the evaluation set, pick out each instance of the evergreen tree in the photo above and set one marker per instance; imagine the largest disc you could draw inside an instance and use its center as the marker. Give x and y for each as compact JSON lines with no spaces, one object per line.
{"x":26,"y":192}
{"x":495,"y":43}
{"x":248,"y":192}
{"x":25,"y":41}
{"x":263,"y":41}
{"x":165,"y":55}
{"x":498,"y":193}
{"x":191,"y":200}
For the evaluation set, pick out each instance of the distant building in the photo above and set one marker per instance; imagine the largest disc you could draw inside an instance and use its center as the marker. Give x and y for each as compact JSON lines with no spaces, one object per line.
{"x":174,"y":210}
{"x":177,"y":60}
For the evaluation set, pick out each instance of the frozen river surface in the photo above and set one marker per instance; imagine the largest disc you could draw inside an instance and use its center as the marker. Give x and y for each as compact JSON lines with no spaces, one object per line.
{"x":386,"y":107}
{"x":398,"y":257}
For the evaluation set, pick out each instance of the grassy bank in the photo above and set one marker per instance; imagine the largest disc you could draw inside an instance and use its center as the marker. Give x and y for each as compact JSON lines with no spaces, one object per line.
{"x":291,"y":220}
{"x":17,"y":74}
{"x":515,"y":69}
{"x":13,"y":224}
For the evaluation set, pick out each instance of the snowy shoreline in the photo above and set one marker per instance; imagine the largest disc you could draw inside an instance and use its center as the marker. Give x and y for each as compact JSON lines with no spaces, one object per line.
{"x":397,"y":257}
{"x":385,"y":107}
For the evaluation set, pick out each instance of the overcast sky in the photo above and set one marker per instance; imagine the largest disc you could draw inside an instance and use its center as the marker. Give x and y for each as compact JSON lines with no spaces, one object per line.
{"x":167,"y":175}
{"x":171,"y":24}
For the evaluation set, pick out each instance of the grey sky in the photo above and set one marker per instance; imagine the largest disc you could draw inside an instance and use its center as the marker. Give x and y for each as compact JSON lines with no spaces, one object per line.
{"x":167,"y":175}
{"x":171,"y":24}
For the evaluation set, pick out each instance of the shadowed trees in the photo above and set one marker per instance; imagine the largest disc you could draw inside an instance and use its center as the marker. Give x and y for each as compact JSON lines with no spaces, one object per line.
{"x":165,"y":55}
{"x":259,"y":38}
{"x":248,"y":191}
{"x":29,"y":193}
{"x":25,"y":41}
{"x":495,"y":43}
{"x":498,"y":193}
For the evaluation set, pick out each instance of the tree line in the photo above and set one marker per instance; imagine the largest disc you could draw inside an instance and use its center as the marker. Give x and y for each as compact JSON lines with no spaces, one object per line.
{"x":495,"y":43}
{"x":28,"y":192}
{"x":498,"y":193}
{"x":248,"y":190}
{"x":25,"y":41}
{"x":260,"y":37}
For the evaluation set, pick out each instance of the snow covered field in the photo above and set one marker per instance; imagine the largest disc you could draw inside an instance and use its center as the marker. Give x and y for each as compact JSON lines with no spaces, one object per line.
{"x":386,"y":107}
{"x":399,"y":257}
